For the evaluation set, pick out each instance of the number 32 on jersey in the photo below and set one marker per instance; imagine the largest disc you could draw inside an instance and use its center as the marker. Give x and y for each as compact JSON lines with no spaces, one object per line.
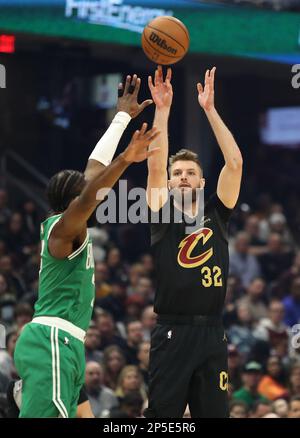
{"x":211,"y":276}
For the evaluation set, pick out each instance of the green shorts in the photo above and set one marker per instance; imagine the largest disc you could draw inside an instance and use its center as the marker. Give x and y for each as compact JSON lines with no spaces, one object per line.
{"x":51,"y":363}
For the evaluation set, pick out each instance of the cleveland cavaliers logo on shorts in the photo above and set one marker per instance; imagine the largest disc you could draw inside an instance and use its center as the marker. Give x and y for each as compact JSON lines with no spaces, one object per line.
{"x":188,"y":244}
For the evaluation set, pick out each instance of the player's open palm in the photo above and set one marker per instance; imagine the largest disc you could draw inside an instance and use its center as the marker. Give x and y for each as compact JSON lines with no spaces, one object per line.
{"x":128,"y":97}
{"x":137,"y":150}
{"x":206,"y":97}
{"x":161,"y":90}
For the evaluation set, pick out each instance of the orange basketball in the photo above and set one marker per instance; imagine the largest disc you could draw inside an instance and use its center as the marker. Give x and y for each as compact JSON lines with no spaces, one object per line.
{"x":165,"y":40}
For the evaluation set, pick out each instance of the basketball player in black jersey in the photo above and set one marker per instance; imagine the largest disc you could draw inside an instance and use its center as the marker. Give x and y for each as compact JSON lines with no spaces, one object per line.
{"x":188,"y":358}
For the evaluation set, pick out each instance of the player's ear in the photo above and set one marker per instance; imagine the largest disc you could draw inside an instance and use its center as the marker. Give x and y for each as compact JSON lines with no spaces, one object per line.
{"x":202,"y":183}
{"x":169,"y":185}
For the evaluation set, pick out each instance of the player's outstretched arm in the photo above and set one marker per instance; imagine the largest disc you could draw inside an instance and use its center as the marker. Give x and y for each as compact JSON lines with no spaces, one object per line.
{"x":127,"y":108}
{"x":72,"y":225}
{"x":157,"y":184}
{"x":230,"y":177}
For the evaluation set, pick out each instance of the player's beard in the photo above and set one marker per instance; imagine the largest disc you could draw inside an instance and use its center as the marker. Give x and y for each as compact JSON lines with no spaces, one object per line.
{"x":185,"y":198}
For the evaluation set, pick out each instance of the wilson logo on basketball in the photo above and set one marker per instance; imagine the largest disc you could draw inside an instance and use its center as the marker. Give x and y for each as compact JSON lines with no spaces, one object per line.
{"x":162,"y":43}
{"x":188,"y":244}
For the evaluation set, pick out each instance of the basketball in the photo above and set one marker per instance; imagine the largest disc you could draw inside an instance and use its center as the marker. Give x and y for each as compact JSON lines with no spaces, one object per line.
{"x":165,"y":40}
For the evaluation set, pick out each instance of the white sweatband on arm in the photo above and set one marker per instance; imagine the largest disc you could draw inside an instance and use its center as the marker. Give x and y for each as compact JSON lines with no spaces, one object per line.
{"x":106,"y":147}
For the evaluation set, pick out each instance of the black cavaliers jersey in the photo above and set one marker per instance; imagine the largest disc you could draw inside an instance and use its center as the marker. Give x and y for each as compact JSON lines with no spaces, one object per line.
{"x":191,"y":270}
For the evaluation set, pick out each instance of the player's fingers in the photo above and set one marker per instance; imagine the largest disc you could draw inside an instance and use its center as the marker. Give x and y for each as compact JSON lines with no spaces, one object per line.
{"x":152,"y":134}
{"x":146,"y":103}
{"x":120,"y":89}
{"x":150,"y":83}
{"x":156,"y":77}
{"x":212,"y":75}
{"x":144,"y":128}
{"x":160,"y":73}
{"x":207,"y":76}
{"x":135,"y":135}
{"x":169,"y":74}
{"x":132,"y":85}
{"x":137,"y":87}
{"x":199,"y":88}
{"x":127,"y":83}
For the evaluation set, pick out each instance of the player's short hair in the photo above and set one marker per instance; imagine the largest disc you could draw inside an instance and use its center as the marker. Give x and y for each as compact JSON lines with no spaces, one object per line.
{"x":63,"y":187}
{"x":184,"y":155}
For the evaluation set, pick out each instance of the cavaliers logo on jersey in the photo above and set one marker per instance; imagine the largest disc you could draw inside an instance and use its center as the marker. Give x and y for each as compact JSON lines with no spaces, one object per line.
{"x":188,"y":244}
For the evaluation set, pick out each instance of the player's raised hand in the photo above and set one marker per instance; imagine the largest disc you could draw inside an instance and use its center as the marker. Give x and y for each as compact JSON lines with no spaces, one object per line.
{"x":206,"y":97}
{"x":128,"y":97}
{"x":137,"y":150}
{"x":161,"y":90}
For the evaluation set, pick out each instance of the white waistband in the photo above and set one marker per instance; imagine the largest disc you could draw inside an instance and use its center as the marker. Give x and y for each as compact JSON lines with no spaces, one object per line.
{"x":61,"y":324}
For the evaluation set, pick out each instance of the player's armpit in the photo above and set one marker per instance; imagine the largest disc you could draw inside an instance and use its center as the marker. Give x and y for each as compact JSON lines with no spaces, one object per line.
{"x":229,"y":185}
{"x":157,"y":189}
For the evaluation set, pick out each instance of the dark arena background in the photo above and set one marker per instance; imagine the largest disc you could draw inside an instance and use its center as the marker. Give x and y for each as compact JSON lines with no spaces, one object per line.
{"x":60,"y":65}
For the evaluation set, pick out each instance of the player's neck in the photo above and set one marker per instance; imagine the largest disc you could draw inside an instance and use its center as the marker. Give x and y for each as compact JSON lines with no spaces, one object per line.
{"x":190,"y":210}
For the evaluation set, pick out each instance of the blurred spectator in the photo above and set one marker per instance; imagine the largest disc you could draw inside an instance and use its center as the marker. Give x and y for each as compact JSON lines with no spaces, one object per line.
{"x":114,"y":302}
{"x":4,"y":291}
{"x":143,"y":358}
{"x":251,"y":378}
{"x":273,"y":329}
{"x":284,"y":283}
{"x":294,"y":380}
{"x":234,"y":367}
{"x":100,"y":238}
{"x":294,"y":408}
{"x":108,"y":333}
{"x":134,"y":338}
{"x":261,"y":408}
{"x":130,"y":380}
{"x":134,"y":307}
{"x":256,"y":243}
{"x":22,"y":315}
{"x":113,"y":362}
{"x":102,"y":287}
{"x":148,"y":320}
{"x":242,"y":263}
{"x":15,"y":283}
{"x":238,"y":409}
{"x":276,"y":260}
{"x":233,"y":293}
{"x":31,"y":219}
{"x":130,"y":406}
{"x":272,"y":384}
{"x":4,"y":381}
{"x":92,"y":343}
{"x":281,"y":408}
{"x":115,"y":265}
{"x":240,"y":334}
{"x":144,"y":289}
{"x":100,"y":397}
{"x":278,"y":224}
{"x":255,"y":299}
{"x":7,"y":365}
{"x":292,"y":304}
{"x":16,"y":238}
{"x":148,"y":265}
{"x":136,"y":271}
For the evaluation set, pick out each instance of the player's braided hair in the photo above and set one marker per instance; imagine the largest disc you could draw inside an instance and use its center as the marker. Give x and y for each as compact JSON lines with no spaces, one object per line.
{"x":184,"y":155}
{"x":63,"y":187}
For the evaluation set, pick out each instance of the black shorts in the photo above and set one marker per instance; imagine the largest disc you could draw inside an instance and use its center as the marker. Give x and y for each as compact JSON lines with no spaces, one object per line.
{"x":188,"y":365}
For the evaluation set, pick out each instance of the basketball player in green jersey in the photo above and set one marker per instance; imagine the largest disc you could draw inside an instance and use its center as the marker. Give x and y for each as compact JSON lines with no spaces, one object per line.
{"x":49,"y":354}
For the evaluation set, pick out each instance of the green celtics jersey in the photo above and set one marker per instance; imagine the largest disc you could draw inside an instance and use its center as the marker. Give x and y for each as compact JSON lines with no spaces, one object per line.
{"x":66,"y":286}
